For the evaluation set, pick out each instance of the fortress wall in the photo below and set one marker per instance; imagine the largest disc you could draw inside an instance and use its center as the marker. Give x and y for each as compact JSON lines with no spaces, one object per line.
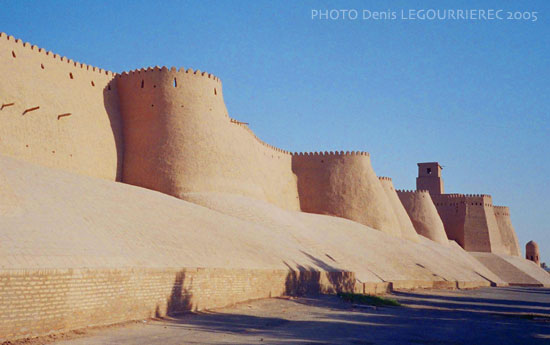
{"x":452,"y":210}
{"x":179,"y":139}
{"x":407,"y":227}
{"x":481,"y":231}
{"x":344,"y":185}
{"x":470,"y":220}
{"x":507,"y":231}
{"x":423,"y":214}
{"x":57,"y":112}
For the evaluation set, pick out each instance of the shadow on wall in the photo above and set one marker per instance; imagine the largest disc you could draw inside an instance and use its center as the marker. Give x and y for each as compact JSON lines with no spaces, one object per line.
{"x":111,"y":104}
{"x":308,"y":281}
{"x":180,"y":298}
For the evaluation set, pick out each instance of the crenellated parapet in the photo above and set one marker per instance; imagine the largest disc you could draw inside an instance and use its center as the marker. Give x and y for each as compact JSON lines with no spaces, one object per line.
{"x":413,"y":191}
{"x":244,"y":125}
{"x":384,"y":178}
{"x":502,"y":211}
{"x":174,"y":70}
{"x":456,"y":199}
{"x":331,"y":153}
{"x":20,"y":46}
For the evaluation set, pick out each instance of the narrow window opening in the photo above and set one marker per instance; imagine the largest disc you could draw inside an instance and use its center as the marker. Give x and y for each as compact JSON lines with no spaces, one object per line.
{"x":13,"y":54}
{"x":71,"y":75}
{"x":142,"y":82}
{"x":215,"y":92}
{"x":429,"y":171}
{"x":152,"y":105}
{"x":175,"y":83}
{"x":93,"y":83}
{"x":42,"y":65}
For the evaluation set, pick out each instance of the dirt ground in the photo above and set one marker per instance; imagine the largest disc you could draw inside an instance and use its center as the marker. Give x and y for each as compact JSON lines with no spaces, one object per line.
{"x":511,"y":315}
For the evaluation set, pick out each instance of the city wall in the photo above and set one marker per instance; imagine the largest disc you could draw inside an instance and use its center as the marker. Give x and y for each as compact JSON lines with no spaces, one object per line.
{"x":471,"y":221}
{"x":58,"y":112}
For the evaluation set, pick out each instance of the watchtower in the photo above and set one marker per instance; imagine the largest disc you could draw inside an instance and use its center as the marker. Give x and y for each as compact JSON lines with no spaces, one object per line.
{"x":429,"y":178}
{"x":532,"y":252}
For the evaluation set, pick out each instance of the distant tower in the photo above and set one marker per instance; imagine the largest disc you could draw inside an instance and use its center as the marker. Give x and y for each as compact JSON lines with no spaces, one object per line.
{"x":532,"y":252}
{"x":429,"y":178}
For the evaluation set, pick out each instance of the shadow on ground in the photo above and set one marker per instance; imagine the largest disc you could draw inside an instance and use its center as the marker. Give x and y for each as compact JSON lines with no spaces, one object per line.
{"x":327,"y":320}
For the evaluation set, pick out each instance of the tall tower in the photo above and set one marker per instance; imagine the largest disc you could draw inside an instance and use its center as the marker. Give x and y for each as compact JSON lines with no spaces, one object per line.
{"x":429,"y":178}
{"x":532,"y":252}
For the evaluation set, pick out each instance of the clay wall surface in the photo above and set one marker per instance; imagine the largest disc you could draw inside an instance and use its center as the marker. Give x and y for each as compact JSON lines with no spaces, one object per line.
{"x":507,"y":231}
{"x":452,"y":210}
{"x":423,"y":214}
{"x":344,"y":185}
{"x":179,"y":139}
{"x":57,"y":112}
{"x":407,"y":227}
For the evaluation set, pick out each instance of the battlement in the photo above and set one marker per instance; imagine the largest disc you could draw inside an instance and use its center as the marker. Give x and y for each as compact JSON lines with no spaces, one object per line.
{"x":501,"y":208}
{"x":415,"y":191}
{"x":156,"y":69}
{"x":503,"y":211}
{"x":384,"y":178}
{"x":332,"y":153}
{"x":19,"y":44}
{"x":464,"y":199}
{"x":244,"y":125}
{"x":459,"y":195}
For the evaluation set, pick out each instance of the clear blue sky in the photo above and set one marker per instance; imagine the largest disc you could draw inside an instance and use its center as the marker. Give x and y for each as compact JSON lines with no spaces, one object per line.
{"x":473,"y":95}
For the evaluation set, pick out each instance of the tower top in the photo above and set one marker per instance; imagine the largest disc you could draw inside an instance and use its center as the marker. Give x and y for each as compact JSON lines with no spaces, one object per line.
{"x":429,"y":169}
{"x":429,"y":177}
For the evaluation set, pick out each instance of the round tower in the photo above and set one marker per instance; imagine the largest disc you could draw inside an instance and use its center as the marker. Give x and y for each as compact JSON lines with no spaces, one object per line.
{"x":532,"y":252}
{"x":407,"y":228}
{"x":179,"y":139}
{"x":423,"y":214}
{"x":344,"y":185}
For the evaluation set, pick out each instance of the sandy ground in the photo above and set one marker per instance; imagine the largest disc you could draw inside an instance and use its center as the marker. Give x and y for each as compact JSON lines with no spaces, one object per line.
{"x":511,"y":315}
